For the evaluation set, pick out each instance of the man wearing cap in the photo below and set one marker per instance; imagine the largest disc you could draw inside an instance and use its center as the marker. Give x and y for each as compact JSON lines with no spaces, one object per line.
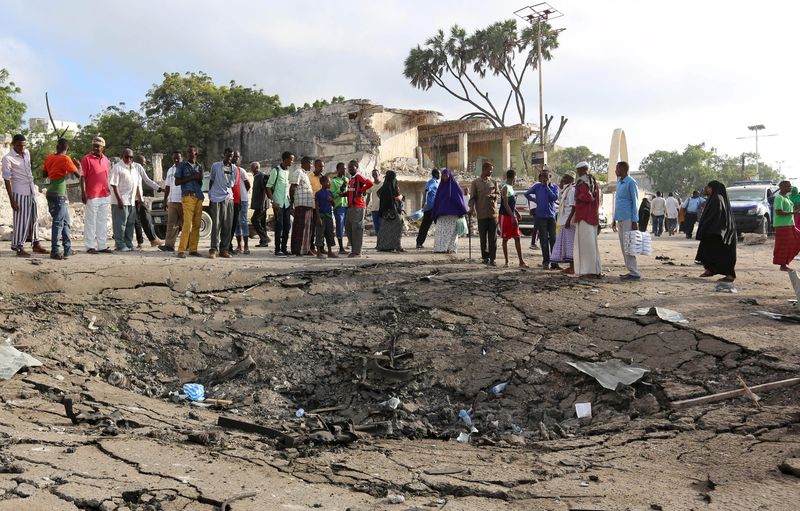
{"x":586,"y":253}
{"x":18,"y":176}
{"x":126,"y":183}
{"x":96,"y":196}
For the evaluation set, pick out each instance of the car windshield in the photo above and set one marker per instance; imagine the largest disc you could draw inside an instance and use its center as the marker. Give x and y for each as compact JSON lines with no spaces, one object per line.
{"x":746,"y":194}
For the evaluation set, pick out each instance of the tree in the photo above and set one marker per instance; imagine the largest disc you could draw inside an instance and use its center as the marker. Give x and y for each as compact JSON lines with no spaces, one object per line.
{"x":11,"y":110}
{"x":119,"y":127}
{"x":457,"y":62}
{"x":563,"y":161}
{"x":323,"y":102}
{"x":190,"y":108}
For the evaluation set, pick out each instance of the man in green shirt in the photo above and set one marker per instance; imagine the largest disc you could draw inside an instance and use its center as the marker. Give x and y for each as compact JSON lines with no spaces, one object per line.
{"x":339,"y":190}
{"x":787,"y":236}
{"x":278,"y":193}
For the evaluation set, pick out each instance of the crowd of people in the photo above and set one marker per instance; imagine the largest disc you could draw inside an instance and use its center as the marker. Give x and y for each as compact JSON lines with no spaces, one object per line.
{"x":314,"y":213}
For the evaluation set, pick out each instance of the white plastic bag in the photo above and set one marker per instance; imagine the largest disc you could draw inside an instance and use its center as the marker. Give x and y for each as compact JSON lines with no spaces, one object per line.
{"x":638,"y":243}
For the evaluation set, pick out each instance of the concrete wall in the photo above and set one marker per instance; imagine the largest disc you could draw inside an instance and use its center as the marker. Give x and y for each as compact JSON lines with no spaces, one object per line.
{"x":355,"y":129}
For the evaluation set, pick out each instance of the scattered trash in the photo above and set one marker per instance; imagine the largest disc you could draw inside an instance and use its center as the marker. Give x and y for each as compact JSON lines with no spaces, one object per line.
{"x":117,"y":379}
{"x":749,"y":393}
{"x":395,"y":499}
{"x":464,"y":414}
{"x":285,"y":439}
{"x":665,"y":314}
{"x":91,"y":324}
{"x":12,"y":360}
{"x":583,"y":410}
{"x":499,"y":388}
{"x":725,"y":287}
{"x":194,"y":391}
{"x":516,"y":429}
{"x":59,"y":377}
{"x":786,"y":318}
{"x":463,"y":438}
{"x":754,"y":239}
{"x":228,"y":371}
{"x":611,"y":373}
{"x":713,"y":398}
{"x":299,"y":413}
{"x":392,"y":403}
{"x":749,"y":301}
{"x":583,"y":484}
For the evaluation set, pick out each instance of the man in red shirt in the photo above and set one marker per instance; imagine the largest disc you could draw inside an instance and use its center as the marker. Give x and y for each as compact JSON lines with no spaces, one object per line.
{"x":354,"y":223}
{"x":586,"y":253}
{"x":96,"y":195}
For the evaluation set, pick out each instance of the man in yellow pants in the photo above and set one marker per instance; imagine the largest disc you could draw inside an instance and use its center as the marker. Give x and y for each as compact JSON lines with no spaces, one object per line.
{"x":189,"y":176}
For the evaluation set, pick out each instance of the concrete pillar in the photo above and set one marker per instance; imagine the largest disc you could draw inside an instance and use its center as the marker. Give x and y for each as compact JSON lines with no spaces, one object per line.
{"x":506,"y":146}
{"x":463,"y":152}
{"x":158,"y":170}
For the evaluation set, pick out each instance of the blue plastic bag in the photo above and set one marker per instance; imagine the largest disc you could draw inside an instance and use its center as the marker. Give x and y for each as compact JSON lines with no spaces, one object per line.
{"x":194,"y":391}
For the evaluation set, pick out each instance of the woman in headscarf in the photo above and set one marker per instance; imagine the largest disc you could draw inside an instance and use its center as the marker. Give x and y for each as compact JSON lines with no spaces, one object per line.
{"x":448,"y":207}
{"x":644,"y":214}
{"x":390,"y":210}
{"x":717,"y":234}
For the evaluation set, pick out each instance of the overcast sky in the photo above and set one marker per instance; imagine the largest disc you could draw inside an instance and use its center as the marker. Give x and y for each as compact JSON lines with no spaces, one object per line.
{"x":668,"y":73}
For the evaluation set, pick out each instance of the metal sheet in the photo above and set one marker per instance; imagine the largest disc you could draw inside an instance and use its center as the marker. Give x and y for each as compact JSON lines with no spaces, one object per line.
{"x":665,"y":314}
{"x":611,"y":373}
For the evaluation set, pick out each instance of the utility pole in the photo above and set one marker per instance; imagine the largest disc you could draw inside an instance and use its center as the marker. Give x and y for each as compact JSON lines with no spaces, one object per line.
{"x":539,"y":14}
{"x":756,"y":128}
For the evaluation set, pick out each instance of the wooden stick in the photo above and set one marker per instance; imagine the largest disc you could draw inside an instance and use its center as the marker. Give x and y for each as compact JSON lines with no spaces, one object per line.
{"x":713,"y":398}
{"x":749,"y":393}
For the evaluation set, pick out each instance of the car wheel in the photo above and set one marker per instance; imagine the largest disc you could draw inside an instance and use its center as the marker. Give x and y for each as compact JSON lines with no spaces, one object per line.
{"x":161,"y":231}
{"x":205,"y":226}
{"x":526,"y":232}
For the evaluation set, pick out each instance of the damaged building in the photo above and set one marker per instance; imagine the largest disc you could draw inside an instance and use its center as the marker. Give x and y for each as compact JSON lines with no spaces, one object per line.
{"x":407,"y":141}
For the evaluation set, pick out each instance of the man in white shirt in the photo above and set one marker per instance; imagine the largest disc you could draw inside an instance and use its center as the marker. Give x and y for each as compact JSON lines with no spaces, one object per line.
{"x":18,"y":177}
{"x":671,"y":209}
{"x":173,"y":197}
{"x":143,"y":218}
{"x":126,"y":189}
{"x":658,"y":209}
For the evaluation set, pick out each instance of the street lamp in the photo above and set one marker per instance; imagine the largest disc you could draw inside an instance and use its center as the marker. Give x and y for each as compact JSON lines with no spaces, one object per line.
{"x":756,"y":128}
{"x":538,"y":13}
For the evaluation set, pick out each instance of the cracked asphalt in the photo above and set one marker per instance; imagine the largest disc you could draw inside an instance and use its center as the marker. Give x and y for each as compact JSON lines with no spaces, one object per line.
{"x":338,"y":338}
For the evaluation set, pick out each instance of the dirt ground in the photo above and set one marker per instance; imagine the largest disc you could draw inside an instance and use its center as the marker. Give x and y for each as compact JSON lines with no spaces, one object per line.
{"x":339,"y":338}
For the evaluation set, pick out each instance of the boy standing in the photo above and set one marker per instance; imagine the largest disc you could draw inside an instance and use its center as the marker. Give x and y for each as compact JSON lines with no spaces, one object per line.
{"x":323,"y":203}
{"x":509,"y":218}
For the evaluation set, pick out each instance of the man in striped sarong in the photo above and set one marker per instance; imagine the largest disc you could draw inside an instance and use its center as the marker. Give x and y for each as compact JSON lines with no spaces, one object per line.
{"x":18,"y":177}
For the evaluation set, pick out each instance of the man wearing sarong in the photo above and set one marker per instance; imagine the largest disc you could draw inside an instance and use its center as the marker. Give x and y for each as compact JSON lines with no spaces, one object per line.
{"x":18,"y":176}
{"x":302,"y":201}
{"x":787,"y":235}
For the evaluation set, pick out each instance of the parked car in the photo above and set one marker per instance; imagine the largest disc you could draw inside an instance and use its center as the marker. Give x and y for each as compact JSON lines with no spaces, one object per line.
{"x":751,"y":203}
{"x":526,"y":220}
{"x":603,"y":220}
{"x":159,"y":211}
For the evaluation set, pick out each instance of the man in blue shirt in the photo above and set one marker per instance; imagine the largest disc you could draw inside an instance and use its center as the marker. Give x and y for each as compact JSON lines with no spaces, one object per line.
{"x":189,"y":176}
{"x":545,"y":195}
{"x":626,"y":215}
{"x":220,"y":195}
{"x":693,"y":206}
{"x":429,"y":196}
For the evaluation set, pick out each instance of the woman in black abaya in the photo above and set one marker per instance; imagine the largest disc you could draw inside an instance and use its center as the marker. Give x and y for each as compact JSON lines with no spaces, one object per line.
{"x":717,"y":235}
